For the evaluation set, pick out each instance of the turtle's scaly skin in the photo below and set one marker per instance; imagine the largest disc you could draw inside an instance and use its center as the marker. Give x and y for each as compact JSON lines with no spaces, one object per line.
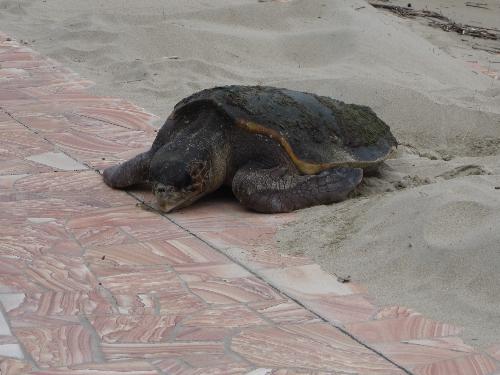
{"x":279,"y":149}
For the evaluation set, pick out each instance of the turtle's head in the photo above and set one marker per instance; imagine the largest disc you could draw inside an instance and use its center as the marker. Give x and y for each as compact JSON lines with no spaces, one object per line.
{"x":178,"y":182}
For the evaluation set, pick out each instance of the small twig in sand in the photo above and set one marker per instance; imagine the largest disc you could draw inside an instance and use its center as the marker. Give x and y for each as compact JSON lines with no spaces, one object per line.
{"x":476,"y":5}
{"x":475,"y":31}
{"x":134,"y":80}
{"x":486,"y":49}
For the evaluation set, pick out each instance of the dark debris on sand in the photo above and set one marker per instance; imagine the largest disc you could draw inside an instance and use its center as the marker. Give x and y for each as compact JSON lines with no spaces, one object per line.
{"x":440,"y":21}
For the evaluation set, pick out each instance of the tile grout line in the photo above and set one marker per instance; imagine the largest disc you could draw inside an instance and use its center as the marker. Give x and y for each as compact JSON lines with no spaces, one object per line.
{"x":344,"y":331}
{"x":95,"y":340}
{"x":89,"y":167}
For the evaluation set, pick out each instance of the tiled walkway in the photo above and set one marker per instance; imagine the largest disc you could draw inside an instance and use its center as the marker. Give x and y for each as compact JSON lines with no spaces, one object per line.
{"x":91,"y":282}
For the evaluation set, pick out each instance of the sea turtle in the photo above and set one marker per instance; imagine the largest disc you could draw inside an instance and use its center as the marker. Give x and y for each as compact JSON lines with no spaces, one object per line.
{"x":279,"y":149}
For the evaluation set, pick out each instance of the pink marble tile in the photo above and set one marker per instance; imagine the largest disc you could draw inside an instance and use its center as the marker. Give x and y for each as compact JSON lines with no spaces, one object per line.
{"x":18,"y":54}
{"x":244,"y":236}
{"x":9,"y":95}
{"x":135,"y":304}
{"x":227,"y":366}
{"x":15,"y":165}
{"x":224,"y":316}
{"x":24,"y":64}
{"x":50,"y":322}
{"x":187,"y":250}
{"x":85,"y":146}
{"x":399,"y":329}
{"x":471,"y":365}
{"x":343,"y":309}
{"x":131,"y":118}
{"x":307,"y":282}
{"x":61,"y":346}
{"x":212,"y":221}
{"x":315,"y":346}
{"x":156,"y":227}
{"x":12,"y":266}
{"x":243,"y":290}
{"x":494,"y":351}
{"x":408,"y":355}
{"x":113,"y":368}
{"x":202,"y":334}
{"x":258,"y":258}
{"x":141,"y":224}
{"x":203,"y":362}
{"x":57,"y":303}
{"x":15,"y":283}
{"x":204,"y":272}
{"x":228,"y":213}
{"x":449,"y":343}
{"x":284,"y":312}
{"x":229,"y":369}
{"x":12,"y":74}
{"x":93,"y":125}
{"x":137,"y":140}
{"x":45,"y":122}
{"x":297,"y":372}
{"x":11,"y":366}
{"x":130,"y":254}
{"x":101,"y":236}
{"x":134,"y":328}
{"x":67,"y":183}
{"x":42,"y":82}
{"x":62,"y":273}
{"x":179,"y":302}
{"x":172,"y":366}
{"x":38,"y":236}
{"x":160,"y":350}
{"x":159,"y":252}
{"x":50,"y":208}
{"x":20,"y":142}
{"x":136,"y":280}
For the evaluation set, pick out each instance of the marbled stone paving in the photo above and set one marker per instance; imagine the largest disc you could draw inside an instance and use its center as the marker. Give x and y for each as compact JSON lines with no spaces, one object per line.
{"x":92,"y":283}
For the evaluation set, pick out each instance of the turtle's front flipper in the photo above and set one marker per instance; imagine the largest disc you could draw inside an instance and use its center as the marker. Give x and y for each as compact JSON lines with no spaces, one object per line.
{"x":276,"y":190}
{"x":131,"y":172}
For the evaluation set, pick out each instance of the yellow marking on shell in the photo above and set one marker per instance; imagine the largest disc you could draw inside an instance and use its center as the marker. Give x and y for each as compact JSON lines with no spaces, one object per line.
{"x":303,"y":166}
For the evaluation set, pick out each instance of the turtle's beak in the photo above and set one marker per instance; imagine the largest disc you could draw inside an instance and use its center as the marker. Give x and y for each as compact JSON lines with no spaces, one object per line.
{"x":170,"y":199}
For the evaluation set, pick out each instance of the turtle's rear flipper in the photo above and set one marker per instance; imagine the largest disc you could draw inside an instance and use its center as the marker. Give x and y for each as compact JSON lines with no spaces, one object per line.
{"x":131,"y":172}
{"x":276,"y":190}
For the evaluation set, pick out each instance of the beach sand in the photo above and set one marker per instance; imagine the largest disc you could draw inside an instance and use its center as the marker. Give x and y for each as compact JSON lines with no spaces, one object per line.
{"x":426,"y":231}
